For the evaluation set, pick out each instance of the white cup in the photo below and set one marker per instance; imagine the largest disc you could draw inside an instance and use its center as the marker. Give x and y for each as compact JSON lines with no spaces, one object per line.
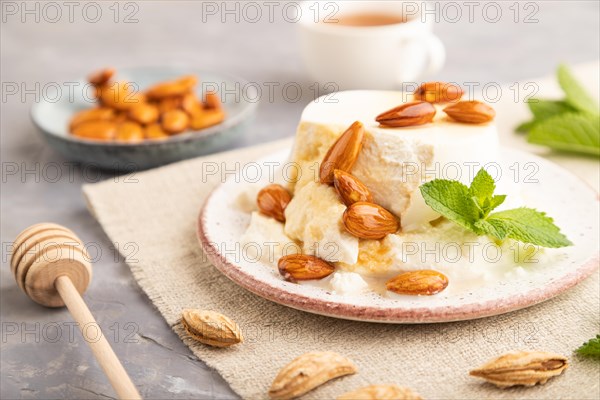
{"x":368,"y":57}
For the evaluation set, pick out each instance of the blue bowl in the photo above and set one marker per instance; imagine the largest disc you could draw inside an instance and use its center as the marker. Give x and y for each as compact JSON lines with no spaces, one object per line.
{"x":53,"y":113}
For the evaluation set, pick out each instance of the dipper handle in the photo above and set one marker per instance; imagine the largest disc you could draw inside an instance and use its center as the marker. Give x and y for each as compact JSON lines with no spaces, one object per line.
{"x":104,"y":354}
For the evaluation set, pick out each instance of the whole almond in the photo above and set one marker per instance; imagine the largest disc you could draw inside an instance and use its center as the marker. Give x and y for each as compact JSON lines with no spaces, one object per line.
{"x":381,"y":392}
{"x":350,"y":189}
{"x":211,"y":328}
{"x":526,"y":368}
{"x":343,"y":153}
{"x":206,"y":118}
{"x":169,"y":104}
{"x":302,"y":267}
{"x":470,"y":112}
{"x":191,"y":104}
{"x":100,"y":77}
{"x":307,"y":372}
{"x":212,"y":101}
{"x":369,"y":221}
{"x":120,"y":95}
{"x":99,"y":130}
{"x":155,"y":132}
{"x":144,"y":113}
{"x":129,"y":131}
{"x":438,"y":92}
{"x":175,"y":121}
{"x":178,"y":87}
{"x":272,"y":201}
{"x":92,"y":114}
{"x":409,"y":114}
{"x":422,"y":282}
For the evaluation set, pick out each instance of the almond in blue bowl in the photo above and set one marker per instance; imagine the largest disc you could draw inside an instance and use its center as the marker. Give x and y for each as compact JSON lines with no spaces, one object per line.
{"x":143,"y":118}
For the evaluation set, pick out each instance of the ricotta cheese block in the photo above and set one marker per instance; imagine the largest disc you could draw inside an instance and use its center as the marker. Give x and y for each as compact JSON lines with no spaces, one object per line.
{"x":394,"y":162}
{"x":265,"y":241}
{"x":314,"y":217}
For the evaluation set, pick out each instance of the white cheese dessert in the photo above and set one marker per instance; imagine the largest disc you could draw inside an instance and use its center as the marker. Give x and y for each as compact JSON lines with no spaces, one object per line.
{"x":392,"y":163}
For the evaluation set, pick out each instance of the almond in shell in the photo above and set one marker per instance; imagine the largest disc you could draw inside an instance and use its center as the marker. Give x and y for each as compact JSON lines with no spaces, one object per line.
{"x":470,"y":112}
{"x":438,"y":92}
{"x":409,"y":114}
{"x":302,"y":267}
{"x":272,"y":201}
{"x":381,"y":392}
{"x":422,"y":282}
{"x":211,"y":328}
{"x":369,"y":221}
{"x":525,"y":368}
{"x":343,"y":153}
{"x":350,"y":188}
{"x":307,"y":372}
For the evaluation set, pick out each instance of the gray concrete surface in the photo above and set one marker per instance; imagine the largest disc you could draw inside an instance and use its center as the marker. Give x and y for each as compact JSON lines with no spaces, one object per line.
{"x":35,"y":363}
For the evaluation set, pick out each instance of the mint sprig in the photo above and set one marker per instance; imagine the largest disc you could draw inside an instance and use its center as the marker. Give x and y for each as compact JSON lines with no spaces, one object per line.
{"x":591,"y":348}
{"x":576,"y":132}
{"x":471,"y":207}
{"x":576,"y":94}
{"x":572,"y":124}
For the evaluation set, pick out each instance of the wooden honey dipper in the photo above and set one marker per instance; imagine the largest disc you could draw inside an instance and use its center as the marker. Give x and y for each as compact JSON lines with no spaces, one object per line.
{"x":51,"y":266}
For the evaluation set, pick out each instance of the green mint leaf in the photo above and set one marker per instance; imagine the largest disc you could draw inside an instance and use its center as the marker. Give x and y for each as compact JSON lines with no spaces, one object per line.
{"x":576,"y":94}
{"x":575,"y":132}
{"x":482,"y":192}
{"x":529,"y":226}
{"x":495,"y":228}
{"x":544,"y":109}
{"x":497,"y":200}
{"x":451,"y":199}
{"x":470,"y":208}
{"x":525,"y":126}
{"x":591,"y":348}
{"x":483,"y":186}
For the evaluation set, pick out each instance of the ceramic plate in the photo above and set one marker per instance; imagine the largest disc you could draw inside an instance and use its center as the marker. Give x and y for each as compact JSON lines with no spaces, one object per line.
{"x":572,"y":204}
{"x":52,"y":114}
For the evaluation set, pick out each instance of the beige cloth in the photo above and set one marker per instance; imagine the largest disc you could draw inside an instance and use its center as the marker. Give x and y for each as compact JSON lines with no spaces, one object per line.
{"x":159,"y":213}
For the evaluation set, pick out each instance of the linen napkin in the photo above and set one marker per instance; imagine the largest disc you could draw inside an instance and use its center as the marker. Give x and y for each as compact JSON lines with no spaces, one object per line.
{"x":159,"y":212}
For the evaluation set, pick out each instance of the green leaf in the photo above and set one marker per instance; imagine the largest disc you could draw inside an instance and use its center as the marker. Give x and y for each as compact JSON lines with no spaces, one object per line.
{"x":483,"y":186}
{"x":529,"y":226}
{"x":575,"y":132}
{"x":482,"y":191}
{"x":576,"y":94}
{"x":470,"y":208}
{"x":495,"y":228}
{"x":497,"y":200}
{"x":525,"y":126}
{"x":452,"y":200}
{"x":591,"y":348}
{"x":544,"y":109}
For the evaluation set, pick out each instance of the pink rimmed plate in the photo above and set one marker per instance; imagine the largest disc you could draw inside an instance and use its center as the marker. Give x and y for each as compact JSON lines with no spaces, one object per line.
{"x":573,"y":205}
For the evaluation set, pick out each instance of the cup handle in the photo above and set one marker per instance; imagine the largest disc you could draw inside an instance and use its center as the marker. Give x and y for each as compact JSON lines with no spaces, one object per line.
{"x":436,"y":53}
